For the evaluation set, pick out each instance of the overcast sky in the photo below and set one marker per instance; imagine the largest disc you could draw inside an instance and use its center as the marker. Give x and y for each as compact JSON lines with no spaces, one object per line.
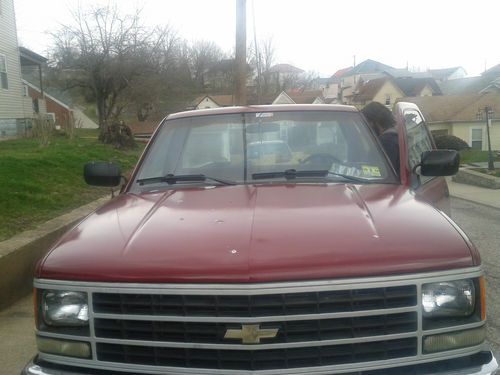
{"x":314,"y":35}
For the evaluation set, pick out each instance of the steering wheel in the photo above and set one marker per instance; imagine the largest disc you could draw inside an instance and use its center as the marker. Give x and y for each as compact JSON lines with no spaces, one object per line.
{"x":321,"y":158}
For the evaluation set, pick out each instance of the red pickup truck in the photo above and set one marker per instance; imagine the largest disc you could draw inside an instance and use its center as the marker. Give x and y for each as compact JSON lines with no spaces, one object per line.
{"x":307,"y":255}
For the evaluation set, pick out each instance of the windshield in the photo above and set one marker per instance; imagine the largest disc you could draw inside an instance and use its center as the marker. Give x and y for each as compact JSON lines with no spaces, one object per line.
{"x":244,"y":148}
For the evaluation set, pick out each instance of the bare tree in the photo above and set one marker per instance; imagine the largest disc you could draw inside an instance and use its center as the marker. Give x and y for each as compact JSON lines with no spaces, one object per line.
{"x":267,"y":56}
{"x":103,"y":52}
{"x":203,"y":55}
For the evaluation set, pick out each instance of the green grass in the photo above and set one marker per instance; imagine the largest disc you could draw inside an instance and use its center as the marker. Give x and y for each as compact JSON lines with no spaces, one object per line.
{"x":474,"y":156}
{"x":87,"y":133}
{"x":39,"y":183}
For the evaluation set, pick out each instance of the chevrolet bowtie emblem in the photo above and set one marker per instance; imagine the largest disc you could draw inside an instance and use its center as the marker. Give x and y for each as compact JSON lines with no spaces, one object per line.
{"x":251,"y":333}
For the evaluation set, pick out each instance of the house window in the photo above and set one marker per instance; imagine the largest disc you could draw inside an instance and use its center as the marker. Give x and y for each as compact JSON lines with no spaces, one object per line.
{"x":476,"y":139}
{"x":4,"y":84}
{"x":387,"y":99}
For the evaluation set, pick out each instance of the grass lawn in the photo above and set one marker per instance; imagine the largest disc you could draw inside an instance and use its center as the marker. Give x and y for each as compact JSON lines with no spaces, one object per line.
{"x":474,"y":156}
{"x":39,"y":183}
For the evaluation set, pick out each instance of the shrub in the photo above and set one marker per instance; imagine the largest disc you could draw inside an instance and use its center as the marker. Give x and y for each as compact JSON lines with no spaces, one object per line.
{"x":450,"y":142}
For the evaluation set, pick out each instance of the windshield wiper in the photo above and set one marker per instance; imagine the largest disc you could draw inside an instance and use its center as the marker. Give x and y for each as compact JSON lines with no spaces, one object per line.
{"x":290,"y":174}
{"x":173,"y":179}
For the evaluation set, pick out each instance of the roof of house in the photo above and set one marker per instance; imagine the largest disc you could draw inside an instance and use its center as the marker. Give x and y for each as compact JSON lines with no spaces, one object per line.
{"x":339,"y":73}
{"x":464,"y":86}
{"x":62,"y":102}
{"x":455,"y":108}
{"x":367,"y":66}
{"x":440,"y":74}
{"x":304,"y":97}
{"x":494,"y":86}
{"x":405,"y":73}
{"x":414,"y":86}
{"x":28,"y":57}
{"x":285,"y":68}
{"x":368,"y":89}
{"x":493,"y":70}
{"x":221,"y":100}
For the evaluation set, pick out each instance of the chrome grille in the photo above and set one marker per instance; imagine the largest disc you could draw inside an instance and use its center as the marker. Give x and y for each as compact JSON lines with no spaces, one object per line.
{"x":302,"y":319}
{"x":258,"y":359}
{"x":256,"y":305}
{"x":289,"y":331}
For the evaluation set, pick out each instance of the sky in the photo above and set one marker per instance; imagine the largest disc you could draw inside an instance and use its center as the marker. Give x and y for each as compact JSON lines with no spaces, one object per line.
{"x":314,"y":35}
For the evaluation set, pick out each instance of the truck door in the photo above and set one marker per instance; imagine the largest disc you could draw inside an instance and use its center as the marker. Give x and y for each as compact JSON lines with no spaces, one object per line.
{"x":415,"y":138}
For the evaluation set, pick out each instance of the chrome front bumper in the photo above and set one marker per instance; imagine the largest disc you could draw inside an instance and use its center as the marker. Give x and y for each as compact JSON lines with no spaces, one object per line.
{"x":32,"y":368}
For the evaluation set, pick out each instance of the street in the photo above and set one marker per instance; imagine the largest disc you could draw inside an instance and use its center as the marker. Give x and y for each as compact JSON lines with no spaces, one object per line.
{"x":481,"y":223}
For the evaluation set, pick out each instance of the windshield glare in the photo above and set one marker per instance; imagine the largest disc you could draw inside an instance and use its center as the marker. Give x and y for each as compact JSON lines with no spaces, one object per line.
{"x":236,"y":146}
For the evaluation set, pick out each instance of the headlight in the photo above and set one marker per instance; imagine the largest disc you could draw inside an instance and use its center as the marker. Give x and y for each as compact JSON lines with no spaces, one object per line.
{"x":449,"y":298}
{"x":65,"y":308}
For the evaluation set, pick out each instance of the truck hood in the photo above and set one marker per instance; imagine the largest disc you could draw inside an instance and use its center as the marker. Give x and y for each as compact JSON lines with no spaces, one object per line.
{"x":258,"y":233}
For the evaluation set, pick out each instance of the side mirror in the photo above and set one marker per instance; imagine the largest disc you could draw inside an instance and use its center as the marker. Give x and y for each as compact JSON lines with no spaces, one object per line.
{"x":439,"y":163}
{"x":102,"y":173}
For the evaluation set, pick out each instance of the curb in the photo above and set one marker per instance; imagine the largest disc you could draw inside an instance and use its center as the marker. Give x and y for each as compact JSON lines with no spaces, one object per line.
{"x":20,"y":254}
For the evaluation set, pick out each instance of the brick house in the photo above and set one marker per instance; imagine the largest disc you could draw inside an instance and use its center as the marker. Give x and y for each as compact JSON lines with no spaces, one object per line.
{"x":57,"y":110}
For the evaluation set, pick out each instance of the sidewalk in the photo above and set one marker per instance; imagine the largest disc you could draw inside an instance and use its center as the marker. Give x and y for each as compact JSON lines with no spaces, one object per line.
{"x":476,"y":194}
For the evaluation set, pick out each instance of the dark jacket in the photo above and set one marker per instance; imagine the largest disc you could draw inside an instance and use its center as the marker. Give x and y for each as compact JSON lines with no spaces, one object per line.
{"x":390,"y":142}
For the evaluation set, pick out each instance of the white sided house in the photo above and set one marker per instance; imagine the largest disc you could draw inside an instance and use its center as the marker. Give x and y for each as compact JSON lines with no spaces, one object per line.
{"x":299,"y":97}
{"x":16,"y":108}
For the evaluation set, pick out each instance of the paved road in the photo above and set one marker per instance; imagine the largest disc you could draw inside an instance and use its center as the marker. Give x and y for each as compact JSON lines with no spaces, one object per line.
{"x":481,"y":223}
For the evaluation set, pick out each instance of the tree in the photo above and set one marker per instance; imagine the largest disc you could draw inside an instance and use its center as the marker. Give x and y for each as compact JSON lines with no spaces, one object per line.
{"x":203,"y":55}
{"x":104,"y":54}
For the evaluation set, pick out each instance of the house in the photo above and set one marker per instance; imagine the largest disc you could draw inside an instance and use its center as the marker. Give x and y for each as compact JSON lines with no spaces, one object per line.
{"x":465,"y":86}
{"x":382,"y":90}
{"x":283,"y":76}
{"x":211,"y":101}
{"x":59,"y":112}
{"x":16,"y":109}
{"x":405,"y":73}
{"x":367,"y":70}
{"x":492,"y":72}
{"x":299,"y":97}
{"x":462,"y":116}
{"x":448,"y":74}
{"x":487,"y":82}
{"x":331,"y":90}
{"x":418,"y":86}
{"x":493,"y":87}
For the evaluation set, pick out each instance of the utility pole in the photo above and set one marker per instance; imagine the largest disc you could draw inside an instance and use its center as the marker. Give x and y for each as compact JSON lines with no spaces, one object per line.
{"x":489,"y":114}
{"x":241,"y":52}
{"x":491,"y":165}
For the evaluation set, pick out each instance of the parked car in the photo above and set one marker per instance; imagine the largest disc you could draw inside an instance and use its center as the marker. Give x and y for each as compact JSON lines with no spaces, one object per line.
{"x":211,"y":260}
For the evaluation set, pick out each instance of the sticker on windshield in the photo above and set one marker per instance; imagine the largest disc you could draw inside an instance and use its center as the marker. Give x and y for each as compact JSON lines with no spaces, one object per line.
{"x":264,"y":114}
{"x":371,"y":171}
